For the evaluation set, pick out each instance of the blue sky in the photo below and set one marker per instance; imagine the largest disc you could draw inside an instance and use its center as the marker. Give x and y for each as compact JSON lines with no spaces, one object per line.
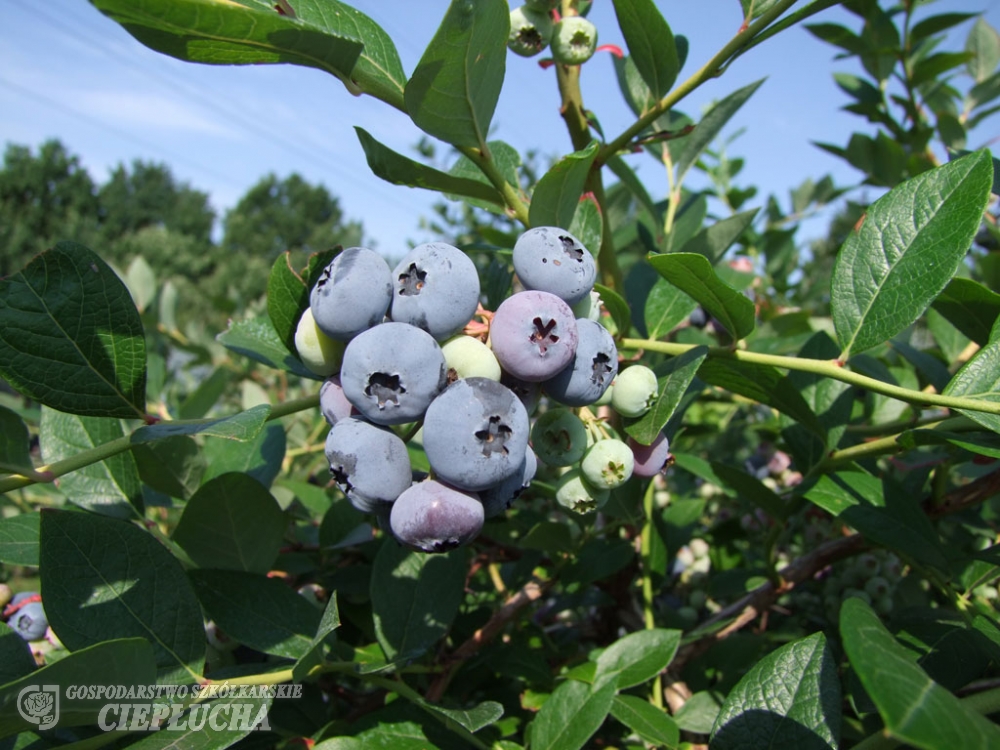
{"x":70,"y":73}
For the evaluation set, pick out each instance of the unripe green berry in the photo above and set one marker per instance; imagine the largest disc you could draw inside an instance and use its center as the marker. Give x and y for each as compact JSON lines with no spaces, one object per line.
{"x":578,"y":495}
{"x":877,"y":587}
{"x":608,"y":464}
{"x":318,"y":352}
{"x":574,"y":40}
{"x":634,"y":390}
{"x":468,"y":357}
{"x":530,"y":31}
{"x":698,"y":599}
{"x":5,"y":595}
{"x":699,"y":548}
{"x":559,"y":438}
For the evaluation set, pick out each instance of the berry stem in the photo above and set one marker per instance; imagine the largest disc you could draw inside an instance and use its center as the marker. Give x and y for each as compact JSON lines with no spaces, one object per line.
{"x":482,"y":159}
{"x":646,"y":561}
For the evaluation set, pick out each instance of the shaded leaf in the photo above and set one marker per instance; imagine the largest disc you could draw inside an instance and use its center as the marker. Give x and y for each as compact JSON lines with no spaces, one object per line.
{"x":19,"y":539}
{"x":103,"y":578}
{"x":714,"y":240}
{"x":907,"y":249}
{"x":16,"y":660}
{"x":454,"y":90}
{"x":969,"y":306}
{"x":557,"y":194}
{"x":666,"y":307}
{"x":256,"y":338}
{"x":70,"y":336}
{"x":571,"y":715}
{"x":752,"y":489}
{"x":241,"y":428}
{"x":588,"y":223}
{"x":915,"y":709}
{"x":173,"y":466}
{"x":646,"y":720}
{"x":15,"y":443}
{"x":979,"y":378}
{"x":314,"y":654}
{"x":507,"y":161}
{"x":673,"y":378}
{"x":260,"y":458}
{"x":791,"y":697}
{"x":636,"y":658}
{"x":617,"y":306}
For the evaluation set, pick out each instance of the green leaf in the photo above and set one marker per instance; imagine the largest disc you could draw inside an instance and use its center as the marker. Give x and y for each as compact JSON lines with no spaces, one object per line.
{"x":287,"y":297}
{"x":631,"y":181}
{"x":103,"y":578}
{"x":672,"y":378}
{"x":588,"y":223}
{"x":15,"y":444}
{"x":979,"y":378}
{"x":173,"y":466}
{"x":399,"y":170}
{"x":634,"y":89}
{"x":232,"y":522}
{"x":260,"y":458}
{"x":16,"y":660}
{"x":666,"y":307}
{"x":473,"y":719}
{"x":198,"y":734}
{"x":111,"y":486}
{"x":507,"y":161}
{"x":713,"y":241}
{"x":128,"y":662}
{"x":200,"y":401}
{"x":938,"y":23}
{"x":694,"y":275}
{"x":256,"y":338}
{"x":983,"y":43}
{"x":70,"y":336}
{"x":709,"y":127}
{"x":646,"y":720}
{"x":454,"y":90}
{"x":240,"y":428}
{"x":791,"y":697}
{"x":752,"y":489}
{"x":314,"y":654}
{"x":19,"y":539}
{"x":908,"y":247}
{"x":558,"y":192}
{"x":915,"y":709}
{"x":969,"y":306}
{"x":571,"y":715}
{"x":598,"y":560}
{"x":698,"y":714}
{"x":328,"y":35}
{"x":636,"y":658}
{"x":617,"y":306}
{"x":415,"y":597}
{"x":756,"y":8}
{"x":260,"y":612}
{"x":761,"y":383}
{"x":650,"y":43}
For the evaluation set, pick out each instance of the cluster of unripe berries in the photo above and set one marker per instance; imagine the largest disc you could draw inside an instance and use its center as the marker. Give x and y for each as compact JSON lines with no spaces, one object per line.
{"x":393,"y":346}
{"x":23,"y":613}
{"x":573,"y":39}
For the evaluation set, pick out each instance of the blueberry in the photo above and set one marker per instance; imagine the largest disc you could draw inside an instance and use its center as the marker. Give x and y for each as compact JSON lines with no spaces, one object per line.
{"x":433,"y":517}
{"x":578,"y":495}
{"x":499,"y":498}
{"x":369,"y":463}
{"x":29,"y":621}
{"x":650,"y":459}
{"x":392,"y":372}
{"x":559,"y":437}
{"x":585,"y":379}
{"x":475,"y":434}
{"x":699,"y":318}
{"x":5,"y":595}
{"x":435,"y":288}
{"x":318,"y":352}
{"x":333,"y":404}
{"x":530,"y":31}
{"x":607,"y":464}
{"x":353,"y":293}
{"x":468,"y":357}
{"x":574,"y":40}
{"x":533,"y":335}
{"x":551,"y":259}
{"x":527,"y":393}
{"x":634,"y":391}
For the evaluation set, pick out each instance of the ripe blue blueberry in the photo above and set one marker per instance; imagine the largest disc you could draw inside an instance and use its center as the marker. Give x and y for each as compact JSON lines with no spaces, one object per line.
{"x":533,"y":335}
{"x":29,"y":621}
{"x":392,"y":372}
{"x":552,"y":260}
{"x":369,"y":463}
{"x":353,"y":293}
{"x":585,"y":379}
{"x":435,"y":288}
{"x":433,"y":517}
{"x":498,"y":499}
{"x":475,"y":434}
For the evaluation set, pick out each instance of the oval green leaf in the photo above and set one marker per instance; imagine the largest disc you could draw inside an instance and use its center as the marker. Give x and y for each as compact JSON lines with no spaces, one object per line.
{"x":571,"y":715}
{"x":554,"y":201}
{"x":979,"y":378}
{"x":906,"y":250}
{"x":70,"y":336}
{"x":636,"y":658}
{"x":19,"y":539}
{"x":650,"y":43}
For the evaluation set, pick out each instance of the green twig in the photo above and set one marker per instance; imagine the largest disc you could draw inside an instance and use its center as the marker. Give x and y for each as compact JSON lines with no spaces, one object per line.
{"x":828,"y":368}
{"x":646,"y":557}
{"x":488,"y":167}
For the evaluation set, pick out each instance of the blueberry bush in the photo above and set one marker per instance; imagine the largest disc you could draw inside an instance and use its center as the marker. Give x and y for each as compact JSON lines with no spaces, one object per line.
{"x":598,"y":469}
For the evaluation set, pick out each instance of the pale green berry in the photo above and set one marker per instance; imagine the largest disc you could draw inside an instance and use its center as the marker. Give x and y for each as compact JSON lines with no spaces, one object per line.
{"x":318,"y":352}
{"x":699,"y":548}
{"x":468,"y":357}
{"x":530,"y":31}
{"x":559,"y":437}
{"x":5,"y":595}
{"x":633,"y":391}
{"x":574,"y":40}
{"x":578,"y":495}
{"x":608,"y":464}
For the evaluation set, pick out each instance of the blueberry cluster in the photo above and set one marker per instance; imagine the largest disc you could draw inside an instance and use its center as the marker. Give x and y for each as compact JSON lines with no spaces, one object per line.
{"x":394,"y":347}
{"x":23,"y":613}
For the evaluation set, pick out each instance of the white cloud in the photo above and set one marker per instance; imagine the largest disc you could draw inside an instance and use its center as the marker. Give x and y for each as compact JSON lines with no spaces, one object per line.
{"x":147,"y":110}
